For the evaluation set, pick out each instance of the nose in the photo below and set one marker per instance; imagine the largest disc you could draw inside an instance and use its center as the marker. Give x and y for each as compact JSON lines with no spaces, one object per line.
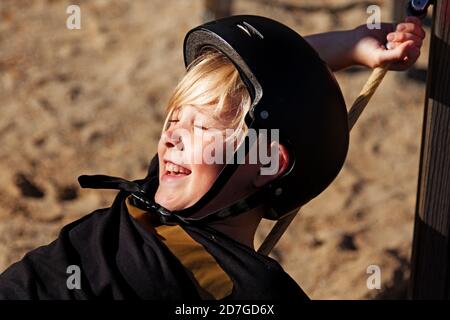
{"x":172,"y":139}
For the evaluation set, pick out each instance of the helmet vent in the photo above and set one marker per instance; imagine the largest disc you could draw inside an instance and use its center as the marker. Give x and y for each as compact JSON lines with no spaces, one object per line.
{"x":264,"y":114}
{"x":250,"y":30}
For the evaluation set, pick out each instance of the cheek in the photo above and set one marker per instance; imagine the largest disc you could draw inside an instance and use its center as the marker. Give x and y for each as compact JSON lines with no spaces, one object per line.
{"x":197,"y":149}
{"x":212,"y":150}
{"x":160,"y":149}
{"x":205,"y":175}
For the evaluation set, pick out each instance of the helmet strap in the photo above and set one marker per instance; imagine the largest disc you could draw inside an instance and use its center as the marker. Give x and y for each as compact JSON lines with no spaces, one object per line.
{"x":142,"y":200}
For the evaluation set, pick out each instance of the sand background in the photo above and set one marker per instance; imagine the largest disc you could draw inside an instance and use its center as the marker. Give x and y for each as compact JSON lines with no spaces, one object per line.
{"x":91,"y":101}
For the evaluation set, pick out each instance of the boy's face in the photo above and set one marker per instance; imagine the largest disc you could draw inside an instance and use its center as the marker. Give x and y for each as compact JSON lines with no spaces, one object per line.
{"x":192,"y":152}
{"x":184,"y":176}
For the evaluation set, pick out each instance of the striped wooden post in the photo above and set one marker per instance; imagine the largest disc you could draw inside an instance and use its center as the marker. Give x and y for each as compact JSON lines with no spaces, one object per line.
{"x":430,"y":261}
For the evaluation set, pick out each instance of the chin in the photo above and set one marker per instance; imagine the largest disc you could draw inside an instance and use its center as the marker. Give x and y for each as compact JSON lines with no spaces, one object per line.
{"x":167,"y":202}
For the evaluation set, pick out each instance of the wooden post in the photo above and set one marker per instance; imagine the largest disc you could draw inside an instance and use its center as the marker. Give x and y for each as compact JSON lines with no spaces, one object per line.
{"x":215,"y":9}
{"x":430,"y":261}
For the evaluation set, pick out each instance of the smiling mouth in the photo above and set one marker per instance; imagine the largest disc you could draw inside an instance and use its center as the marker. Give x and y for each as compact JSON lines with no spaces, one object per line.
{"x":175,"y":170}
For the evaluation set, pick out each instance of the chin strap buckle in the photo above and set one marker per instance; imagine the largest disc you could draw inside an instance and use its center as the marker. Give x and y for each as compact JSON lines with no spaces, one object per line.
{"x":165,"y":216}
{"x":140,"y":198}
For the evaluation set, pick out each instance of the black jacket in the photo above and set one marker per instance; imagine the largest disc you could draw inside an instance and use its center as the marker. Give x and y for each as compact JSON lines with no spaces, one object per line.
{"x":121,"y":257}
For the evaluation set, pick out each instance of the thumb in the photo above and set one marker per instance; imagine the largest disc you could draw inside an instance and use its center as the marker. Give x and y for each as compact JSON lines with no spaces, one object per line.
{"x":397,"y":54}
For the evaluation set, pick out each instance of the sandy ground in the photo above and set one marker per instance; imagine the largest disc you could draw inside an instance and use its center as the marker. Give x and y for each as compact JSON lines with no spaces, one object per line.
{"x":91,"y":101}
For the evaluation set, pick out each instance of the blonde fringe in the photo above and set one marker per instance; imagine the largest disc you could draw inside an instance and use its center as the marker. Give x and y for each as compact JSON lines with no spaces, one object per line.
{"x":212,"y":80}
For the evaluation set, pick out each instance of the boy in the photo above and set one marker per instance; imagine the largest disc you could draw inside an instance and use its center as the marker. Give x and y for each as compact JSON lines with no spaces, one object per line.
{"x":186,"y":231}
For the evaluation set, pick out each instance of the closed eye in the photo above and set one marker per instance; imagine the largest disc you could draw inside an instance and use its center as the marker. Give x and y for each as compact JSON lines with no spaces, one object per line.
{"x":170,"y":121}
{"x":197,"y":126}
{"x":201,"y":127}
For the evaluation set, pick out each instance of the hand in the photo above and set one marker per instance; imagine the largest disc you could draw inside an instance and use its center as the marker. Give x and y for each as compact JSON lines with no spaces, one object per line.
{"x":404,"y":42}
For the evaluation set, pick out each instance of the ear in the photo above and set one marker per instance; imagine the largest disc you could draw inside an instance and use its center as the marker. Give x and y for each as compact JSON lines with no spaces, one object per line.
{"x":283,"y":164}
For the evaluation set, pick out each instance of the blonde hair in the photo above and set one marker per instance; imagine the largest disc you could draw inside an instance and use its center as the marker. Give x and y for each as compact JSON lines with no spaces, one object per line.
{"x":212,"y":81}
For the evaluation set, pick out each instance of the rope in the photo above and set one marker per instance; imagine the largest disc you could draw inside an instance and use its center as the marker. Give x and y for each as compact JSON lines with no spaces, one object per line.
{"x":353,"y":115}
{"x":275,"y":234}
{"x":365,"y":95}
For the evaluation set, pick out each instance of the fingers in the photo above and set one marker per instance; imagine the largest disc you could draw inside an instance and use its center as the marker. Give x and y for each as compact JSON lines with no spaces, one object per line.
{"x":410,"y":30}
{"x":412,"y":54}
{"x":402,"y":54}
{"x":405,"y":56}
{"x":397,"y":53}
{"x":411,"y":58}
{"x":415,"y":20}
{"x":411,"y":25}
{"x":397,"y":37}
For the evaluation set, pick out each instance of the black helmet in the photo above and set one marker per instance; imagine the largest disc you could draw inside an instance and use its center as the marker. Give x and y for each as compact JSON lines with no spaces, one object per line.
{"x":292,"y":90}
